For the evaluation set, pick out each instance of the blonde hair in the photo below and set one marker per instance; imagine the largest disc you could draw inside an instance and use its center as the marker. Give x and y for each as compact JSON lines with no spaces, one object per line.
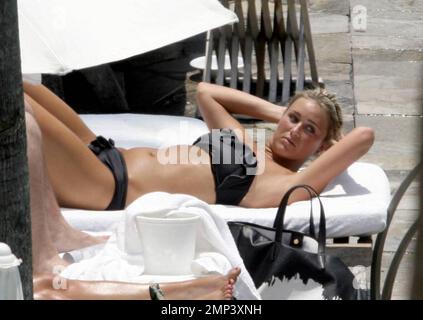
{"x":327,"y":102}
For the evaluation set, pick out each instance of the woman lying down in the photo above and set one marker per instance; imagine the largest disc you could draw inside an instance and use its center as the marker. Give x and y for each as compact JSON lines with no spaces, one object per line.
{"x":225,"y":166}
{"x":88,"y":172}
{"x":51,"y":234}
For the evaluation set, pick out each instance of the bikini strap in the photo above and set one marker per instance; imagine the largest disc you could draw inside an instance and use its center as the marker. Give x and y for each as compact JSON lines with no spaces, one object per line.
{"x":106,"y":151}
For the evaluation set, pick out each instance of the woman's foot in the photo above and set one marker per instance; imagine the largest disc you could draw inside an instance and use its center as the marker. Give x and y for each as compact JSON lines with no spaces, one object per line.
{"x":66,"y":239}
{"x":208,"y":288}
{"x":78,"y":240}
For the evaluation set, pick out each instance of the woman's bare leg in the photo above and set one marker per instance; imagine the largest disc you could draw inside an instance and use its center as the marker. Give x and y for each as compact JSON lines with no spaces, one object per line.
{"x":208,"y":288}
{"x":44,"y":254}
{"x":65,"y":237}
{"x":78,"y":177}
{"x":50,"y":232}
{"x":59,"y":109}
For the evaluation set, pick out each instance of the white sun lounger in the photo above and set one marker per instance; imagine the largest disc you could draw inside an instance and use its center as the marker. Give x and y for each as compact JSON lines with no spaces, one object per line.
{"x":355,"y":202}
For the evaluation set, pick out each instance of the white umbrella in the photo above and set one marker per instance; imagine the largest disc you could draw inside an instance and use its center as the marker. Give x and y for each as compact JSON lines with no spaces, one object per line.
{"x":58,"y":36}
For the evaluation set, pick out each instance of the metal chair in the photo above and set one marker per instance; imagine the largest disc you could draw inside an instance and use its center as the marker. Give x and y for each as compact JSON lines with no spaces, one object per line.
{"x":375,"y":285}
{"x":267,"y":38}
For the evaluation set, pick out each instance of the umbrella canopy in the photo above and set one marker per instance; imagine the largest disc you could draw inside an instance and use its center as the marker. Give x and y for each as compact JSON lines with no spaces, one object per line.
{"x":58,"y":36}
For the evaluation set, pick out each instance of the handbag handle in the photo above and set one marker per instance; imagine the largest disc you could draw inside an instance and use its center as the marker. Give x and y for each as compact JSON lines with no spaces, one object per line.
{"x":311,"y":231}
{"x":280,"y":215}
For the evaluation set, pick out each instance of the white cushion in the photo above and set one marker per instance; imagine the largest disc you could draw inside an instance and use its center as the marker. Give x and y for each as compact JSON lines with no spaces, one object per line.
{"x":355,"y":202}
{"x":142,"y":130}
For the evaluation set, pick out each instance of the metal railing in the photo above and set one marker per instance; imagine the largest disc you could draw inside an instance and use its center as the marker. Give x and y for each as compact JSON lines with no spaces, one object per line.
{"x":375,"y":280}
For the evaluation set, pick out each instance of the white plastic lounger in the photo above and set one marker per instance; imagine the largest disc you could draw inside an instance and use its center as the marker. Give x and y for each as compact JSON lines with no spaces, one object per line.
{"x":355,"y":202}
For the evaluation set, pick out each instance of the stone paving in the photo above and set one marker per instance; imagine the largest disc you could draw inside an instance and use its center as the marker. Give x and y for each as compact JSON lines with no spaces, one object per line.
{"x":387,"y":80}
{"x":377,"y":76}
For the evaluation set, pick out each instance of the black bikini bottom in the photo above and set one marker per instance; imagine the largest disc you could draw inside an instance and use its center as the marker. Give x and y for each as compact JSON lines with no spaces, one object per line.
{"x":233,"y":164}
{"x":105,"y":150}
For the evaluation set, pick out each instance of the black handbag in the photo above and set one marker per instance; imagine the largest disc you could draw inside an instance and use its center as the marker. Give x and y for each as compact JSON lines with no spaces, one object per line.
{"x":275,"y":254}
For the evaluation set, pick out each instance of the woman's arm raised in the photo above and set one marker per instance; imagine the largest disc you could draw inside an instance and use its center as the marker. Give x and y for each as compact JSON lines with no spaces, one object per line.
{"x":217,"y":103}
{"x":334,"y":161}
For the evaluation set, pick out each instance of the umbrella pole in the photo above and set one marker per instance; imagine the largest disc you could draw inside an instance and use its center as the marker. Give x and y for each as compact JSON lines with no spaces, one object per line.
{"x":15,"y":222}
{"x":206,"y":70}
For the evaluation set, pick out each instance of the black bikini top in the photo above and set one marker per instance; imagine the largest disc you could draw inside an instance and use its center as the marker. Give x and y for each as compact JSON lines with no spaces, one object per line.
{"x":233,"y":164}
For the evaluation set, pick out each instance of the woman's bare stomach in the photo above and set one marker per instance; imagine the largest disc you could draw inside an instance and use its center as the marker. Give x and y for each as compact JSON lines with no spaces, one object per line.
{"x":177,"y":169}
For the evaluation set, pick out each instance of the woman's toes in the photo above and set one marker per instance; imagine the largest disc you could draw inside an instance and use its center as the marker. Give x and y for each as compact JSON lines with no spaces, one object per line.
{"x":234,"y":273}
{"x":229,"y":289}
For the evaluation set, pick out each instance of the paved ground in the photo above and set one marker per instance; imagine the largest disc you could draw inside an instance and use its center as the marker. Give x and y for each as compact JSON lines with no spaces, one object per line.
{"x":377,"y":75}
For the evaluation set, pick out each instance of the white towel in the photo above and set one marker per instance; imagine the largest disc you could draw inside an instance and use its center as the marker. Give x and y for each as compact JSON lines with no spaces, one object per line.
{"x":32,"y":78}
{"x":121,"y":259}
